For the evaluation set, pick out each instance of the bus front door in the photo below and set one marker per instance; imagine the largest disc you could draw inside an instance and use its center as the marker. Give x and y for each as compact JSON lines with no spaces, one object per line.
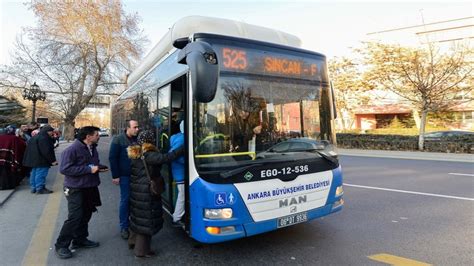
{"x":171,"y":109}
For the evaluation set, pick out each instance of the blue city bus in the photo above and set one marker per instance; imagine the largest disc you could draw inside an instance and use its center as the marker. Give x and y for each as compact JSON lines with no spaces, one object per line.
{"x":258,"y":113}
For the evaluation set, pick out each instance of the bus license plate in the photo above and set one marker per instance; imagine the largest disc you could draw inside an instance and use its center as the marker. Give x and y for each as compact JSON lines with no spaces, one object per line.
{"x":292,"y":219}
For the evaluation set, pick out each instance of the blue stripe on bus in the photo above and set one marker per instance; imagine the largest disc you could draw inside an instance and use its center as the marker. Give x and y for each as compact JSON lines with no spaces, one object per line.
{"x":205,"y":195}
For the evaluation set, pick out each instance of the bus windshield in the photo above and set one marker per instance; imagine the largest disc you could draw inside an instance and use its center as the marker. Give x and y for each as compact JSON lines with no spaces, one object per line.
{"x":253,"y":114}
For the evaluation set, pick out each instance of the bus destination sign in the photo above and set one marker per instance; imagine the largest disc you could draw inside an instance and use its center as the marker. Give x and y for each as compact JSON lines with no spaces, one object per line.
{"x":269,"y":63}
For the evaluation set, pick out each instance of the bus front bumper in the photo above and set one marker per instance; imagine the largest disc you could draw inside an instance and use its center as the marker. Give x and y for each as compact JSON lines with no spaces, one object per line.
{"x":221,"y":232}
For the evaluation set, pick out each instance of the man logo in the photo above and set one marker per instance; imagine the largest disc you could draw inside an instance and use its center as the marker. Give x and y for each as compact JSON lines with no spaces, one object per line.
{"x":292,"y":201}
{"x":293,"y":209}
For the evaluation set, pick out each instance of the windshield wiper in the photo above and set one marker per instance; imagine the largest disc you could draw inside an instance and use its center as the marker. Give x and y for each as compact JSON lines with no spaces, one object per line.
{"x":328,"y":158}
{"x":238,"y":170}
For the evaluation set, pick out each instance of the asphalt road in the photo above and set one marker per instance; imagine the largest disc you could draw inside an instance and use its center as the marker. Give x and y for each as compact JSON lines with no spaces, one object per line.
{"x":395,"y":210}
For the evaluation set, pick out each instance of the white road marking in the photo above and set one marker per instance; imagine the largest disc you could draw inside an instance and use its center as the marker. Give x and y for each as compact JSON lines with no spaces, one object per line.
{"x":460,"y":174}
{"x":411,"y":192}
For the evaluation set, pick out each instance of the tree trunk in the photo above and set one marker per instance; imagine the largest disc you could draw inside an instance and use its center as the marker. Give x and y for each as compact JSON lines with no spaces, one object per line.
{"x":341,"y":119}
{"x":416,"y":117}
{"x":421,"y":137}
{"x":69,"y":126}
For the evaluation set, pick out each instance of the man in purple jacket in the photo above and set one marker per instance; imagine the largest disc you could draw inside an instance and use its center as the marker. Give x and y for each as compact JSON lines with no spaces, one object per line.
{"x":80,"y":166}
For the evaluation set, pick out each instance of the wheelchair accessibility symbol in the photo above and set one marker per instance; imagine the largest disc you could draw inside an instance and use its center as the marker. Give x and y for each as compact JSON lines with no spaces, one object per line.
{"x":220,"y":198}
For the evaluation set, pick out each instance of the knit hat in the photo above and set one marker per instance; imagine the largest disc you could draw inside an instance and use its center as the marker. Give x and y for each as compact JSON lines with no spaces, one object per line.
{"x":147,"y":136}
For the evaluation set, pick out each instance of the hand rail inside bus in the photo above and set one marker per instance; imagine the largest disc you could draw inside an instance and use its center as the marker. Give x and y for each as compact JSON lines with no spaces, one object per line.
{"x":219,"y":135}
{"x":252,"y":154}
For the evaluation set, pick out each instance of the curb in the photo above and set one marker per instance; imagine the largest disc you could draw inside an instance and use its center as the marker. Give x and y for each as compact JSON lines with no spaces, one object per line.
{"x":5,"y":195}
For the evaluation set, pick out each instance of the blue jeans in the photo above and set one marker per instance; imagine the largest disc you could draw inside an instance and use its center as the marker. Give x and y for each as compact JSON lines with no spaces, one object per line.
{"x":124,"y":201}
{"x":38,"y":178}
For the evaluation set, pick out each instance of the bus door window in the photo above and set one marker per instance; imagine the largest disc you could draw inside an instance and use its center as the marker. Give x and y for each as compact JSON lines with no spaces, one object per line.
{"x":177,"y":115}
{"x":161,"y":121}
{"x":170,"y":113}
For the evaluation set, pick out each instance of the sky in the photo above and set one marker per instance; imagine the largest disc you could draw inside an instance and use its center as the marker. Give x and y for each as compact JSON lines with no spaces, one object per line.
{"x":327,"y":27}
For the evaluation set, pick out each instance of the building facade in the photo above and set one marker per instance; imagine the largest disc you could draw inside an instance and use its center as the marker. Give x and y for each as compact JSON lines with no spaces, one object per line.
{"x":97,"y":113}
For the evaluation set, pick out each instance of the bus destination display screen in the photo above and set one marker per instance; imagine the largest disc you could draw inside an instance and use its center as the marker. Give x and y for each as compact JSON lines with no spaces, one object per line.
{"x":238,"y":59}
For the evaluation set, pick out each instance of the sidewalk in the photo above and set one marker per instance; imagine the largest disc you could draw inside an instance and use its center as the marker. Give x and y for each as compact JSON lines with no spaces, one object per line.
{"x":4,"y":195}
{"x":410,"y":155}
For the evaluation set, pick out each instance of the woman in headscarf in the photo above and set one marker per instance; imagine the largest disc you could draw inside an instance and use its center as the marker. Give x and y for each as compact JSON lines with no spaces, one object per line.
{"x":145,"y":207}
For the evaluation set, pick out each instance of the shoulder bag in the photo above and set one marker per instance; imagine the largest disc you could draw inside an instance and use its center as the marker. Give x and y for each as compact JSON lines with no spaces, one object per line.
{"x":157,"y":185}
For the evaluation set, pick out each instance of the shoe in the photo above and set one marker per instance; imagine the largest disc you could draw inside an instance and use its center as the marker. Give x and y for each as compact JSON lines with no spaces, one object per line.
{"x":177,"y":224}
{"x":84,"y":244}
{"x":44,"y":191}
{"x":125,"y":234}
{"x":33,"y":191}
{"x":150,"y":254}
{"x":63,"y":253}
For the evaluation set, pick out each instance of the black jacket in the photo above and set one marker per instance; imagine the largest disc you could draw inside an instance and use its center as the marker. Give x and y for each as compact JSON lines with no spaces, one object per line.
{"x":146,"y":213}
{"x":39,"y":151}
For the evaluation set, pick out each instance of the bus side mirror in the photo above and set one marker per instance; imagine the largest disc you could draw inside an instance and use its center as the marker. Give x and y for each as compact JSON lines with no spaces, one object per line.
{"x":202,"y":62}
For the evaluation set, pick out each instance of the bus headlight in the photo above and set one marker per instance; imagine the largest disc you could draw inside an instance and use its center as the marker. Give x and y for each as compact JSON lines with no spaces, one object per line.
{"x":339,"y":191}
{"x":225,"y":213}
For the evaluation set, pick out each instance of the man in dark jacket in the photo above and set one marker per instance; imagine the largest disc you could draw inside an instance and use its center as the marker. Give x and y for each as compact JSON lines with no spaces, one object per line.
{"x":80,"y":166}
{"x":40,"y":157}
{"x":120,"y":167}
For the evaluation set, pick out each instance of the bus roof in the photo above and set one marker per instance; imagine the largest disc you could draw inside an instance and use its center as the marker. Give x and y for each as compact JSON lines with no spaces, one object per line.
{"x":199,"y":24}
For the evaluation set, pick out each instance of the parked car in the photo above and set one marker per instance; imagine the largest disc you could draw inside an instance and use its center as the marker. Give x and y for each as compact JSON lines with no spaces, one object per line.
{"x":103,"y":133}
{"x":437,"y":135}
{"x":299,"y":145}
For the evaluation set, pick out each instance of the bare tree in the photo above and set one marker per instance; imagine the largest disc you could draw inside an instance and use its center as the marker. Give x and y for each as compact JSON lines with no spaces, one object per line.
{"x":429,"y":78}
{"x":349,"y":87}
{"x":77,"y":49}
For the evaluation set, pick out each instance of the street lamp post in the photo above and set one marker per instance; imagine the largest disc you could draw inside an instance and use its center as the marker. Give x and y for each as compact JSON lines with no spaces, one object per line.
{"x":34,"y":94}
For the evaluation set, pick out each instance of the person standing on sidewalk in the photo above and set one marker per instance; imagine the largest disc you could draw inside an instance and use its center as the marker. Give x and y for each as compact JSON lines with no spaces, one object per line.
{"x":40,"y":157}
{"x":120,"y":165}
{"x":80,"y":166}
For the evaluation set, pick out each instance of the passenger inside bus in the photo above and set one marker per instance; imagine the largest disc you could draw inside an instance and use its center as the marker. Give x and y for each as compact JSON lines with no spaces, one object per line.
{"x":247,"y":123}
{"x":177,"y":170}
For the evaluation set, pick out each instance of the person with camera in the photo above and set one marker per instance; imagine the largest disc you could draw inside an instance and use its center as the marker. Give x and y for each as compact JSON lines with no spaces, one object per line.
{"x":80,"y":166}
